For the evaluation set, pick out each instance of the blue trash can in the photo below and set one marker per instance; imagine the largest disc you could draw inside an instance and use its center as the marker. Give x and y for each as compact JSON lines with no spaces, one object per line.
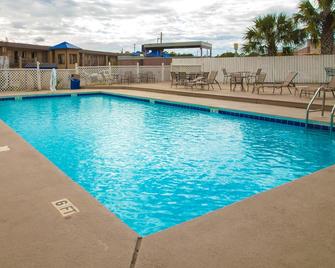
{"x":75,"y":81}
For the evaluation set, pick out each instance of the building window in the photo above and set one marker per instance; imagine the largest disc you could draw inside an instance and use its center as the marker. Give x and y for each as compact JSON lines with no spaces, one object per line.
{"x":16,"y":56}
{"x":33,"y":55}
{"x":45,"y":57}
{"x":61,"y":59}
{"x":73,"y":58}
{"x":23,"y":54}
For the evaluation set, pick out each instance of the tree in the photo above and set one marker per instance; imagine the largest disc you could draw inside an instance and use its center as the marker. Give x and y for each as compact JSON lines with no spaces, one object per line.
{"x":271,"y":32}
{"x":227,"y":55}
{"x":319,"y":22}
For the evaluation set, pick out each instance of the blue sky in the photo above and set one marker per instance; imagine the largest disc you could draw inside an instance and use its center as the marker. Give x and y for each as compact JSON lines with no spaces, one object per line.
{"x":114,"y":25}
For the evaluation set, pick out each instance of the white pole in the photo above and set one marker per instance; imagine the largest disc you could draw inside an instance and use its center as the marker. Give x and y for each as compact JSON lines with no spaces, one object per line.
{"x":138,"y":70}
{"x":110,"y":71}
{"x":162,"y":72}
{"x":76,"y":68}
{"x":39,"y":86}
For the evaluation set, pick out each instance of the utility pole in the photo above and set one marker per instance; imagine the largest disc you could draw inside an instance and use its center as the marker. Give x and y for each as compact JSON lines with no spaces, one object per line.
{"x":160,"y":38}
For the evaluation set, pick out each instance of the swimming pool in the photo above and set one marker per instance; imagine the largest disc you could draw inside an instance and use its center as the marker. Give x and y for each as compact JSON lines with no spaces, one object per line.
{"x":156,"y":165}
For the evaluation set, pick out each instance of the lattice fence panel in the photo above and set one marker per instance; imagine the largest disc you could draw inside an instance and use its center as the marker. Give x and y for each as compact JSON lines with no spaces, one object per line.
{"x":45,"y":79}
{"x":18,"y":79}
{"x":64,"y":78}
{"x":27,"y":79}
{"x":94,"y":74}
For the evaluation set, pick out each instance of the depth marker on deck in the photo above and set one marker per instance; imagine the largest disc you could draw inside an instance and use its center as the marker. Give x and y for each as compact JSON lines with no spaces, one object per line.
{"x":65,"y":207}
{"x":4,"y":149}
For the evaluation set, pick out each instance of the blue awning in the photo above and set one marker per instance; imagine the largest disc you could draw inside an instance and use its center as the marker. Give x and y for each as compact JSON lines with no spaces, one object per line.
{"x":64,"y":45}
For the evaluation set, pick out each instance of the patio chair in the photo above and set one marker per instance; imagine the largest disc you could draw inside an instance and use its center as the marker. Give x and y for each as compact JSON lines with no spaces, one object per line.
{"x":194,"y":82}
{"x":182,"y":78}
{"x":259,"y":83}
{"x":192,"y":76}
{"x":330,"y":72}
{"x":310,"y":91}
{"x":252,"y":78}
{"x":143,"y":77}
{"x":288,"y":83}
{"x":127,"y":77}
{"x":151,"y":77}
{"x":106,"y":78}
{"x":330,"y":87}
{"x":210,"y":81}
{"x":235,"y":79}
{"x":226,"y":76}
{"x":174,"y":79}
{"x":307,"y":91}
{"x":204,"y":75}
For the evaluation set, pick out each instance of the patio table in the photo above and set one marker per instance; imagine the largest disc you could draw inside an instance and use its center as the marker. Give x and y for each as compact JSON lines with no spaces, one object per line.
{"x":243,"y":75}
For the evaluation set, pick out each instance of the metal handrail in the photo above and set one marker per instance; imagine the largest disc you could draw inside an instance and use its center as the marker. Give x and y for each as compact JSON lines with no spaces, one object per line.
{"x":332,"y":118}
{"x":308,"y":110}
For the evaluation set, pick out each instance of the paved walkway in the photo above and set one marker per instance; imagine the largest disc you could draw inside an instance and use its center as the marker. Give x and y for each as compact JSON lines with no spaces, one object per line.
{"x":32,"y":231}
{"x":275,"y":110}
{"x":267,"y":97}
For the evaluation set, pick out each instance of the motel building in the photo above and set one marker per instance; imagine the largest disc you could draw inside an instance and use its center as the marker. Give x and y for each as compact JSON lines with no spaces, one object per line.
{"x":61,"y":56}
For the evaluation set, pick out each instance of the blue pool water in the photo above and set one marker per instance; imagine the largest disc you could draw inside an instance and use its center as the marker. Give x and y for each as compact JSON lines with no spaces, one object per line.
{"x":155,"y":166}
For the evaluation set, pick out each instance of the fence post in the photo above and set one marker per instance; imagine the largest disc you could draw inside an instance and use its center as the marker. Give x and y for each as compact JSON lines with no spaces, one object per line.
{"x":137,"y":70}
{"x":38,"y":72}
{"x":76,"y":68}
{"x":162,"y":72}
{"x":110,"y":70}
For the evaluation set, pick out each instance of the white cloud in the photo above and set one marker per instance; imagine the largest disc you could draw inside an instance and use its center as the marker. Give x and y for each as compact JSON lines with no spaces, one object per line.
{"x":110,"y":25}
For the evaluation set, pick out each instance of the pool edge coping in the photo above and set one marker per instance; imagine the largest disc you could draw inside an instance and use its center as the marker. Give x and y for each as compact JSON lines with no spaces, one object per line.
{"x":203,"y":216}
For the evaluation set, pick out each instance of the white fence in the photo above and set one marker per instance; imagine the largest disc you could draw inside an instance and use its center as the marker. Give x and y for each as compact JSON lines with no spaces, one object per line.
{"x":39,"y":79}
{"x":189,"y":68}
{"x":311,"y":69}
{"x":108,"y":74}
{"x":31,"y":79}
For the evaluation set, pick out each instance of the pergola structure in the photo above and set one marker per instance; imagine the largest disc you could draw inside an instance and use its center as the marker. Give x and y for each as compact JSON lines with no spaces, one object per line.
{"x":159,"y":47}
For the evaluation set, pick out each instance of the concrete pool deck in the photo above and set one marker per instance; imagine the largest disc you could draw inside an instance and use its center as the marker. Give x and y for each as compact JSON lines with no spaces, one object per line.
{"x":289,"y":226}
{"x":266,"y":97}
{"x":252,"y":106}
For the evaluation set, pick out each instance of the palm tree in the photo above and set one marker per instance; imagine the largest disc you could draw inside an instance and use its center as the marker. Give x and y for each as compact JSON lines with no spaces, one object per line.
{"x":271,"y":32}
{"x":319,"y":22}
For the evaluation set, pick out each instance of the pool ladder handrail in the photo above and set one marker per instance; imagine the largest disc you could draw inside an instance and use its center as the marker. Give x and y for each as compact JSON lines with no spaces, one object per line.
{"x":308,"y":110}
{"x":332,"y":119}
